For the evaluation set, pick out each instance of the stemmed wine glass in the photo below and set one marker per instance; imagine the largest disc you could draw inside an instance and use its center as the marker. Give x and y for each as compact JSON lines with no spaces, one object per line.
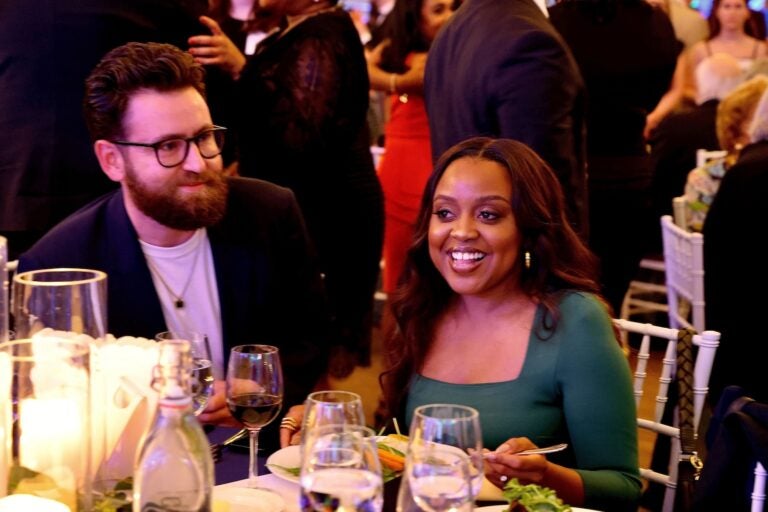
{"x":254,"y":393}
{"x":331,"y":407}
{"x":202,"y":365}
{"x":340,"y":470}
{"x":439,"y":477}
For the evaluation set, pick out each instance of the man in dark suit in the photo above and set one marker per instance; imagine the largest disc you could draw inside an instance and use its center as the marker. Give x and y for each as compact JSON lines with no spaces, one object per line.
{"x":184,"y":248}
{"x":47,"y":48}
{"x":499,"y":69}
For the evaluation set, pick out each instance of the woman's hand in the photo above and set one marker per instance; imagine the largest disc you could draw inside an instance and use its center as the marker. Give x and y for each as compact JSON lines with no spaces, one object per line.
{"x":373,"y":57}
{"x":290,"y":426}
{"x":503,"y":465}
{"x":217,"y":411}
{"x":216,"y":49}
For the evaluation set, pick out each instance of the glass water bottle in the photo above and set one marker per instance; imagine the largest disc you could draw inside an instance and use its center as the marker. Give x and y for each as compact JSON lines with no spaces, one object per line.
{"x":174,"y":469}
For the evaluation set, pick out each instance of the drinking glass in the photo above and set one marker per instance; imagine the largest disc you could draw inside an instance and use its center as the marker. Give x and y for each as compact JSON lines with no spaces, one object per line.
{"x":63,"y":299}
{"x":451,"y":425}
{"x":254,"y":393}
{"x":202,"y":369}
{"x":45,"y":426}
{"x":331,"y":407}
{"x":340,"y":470}
{"x":439,"y":477}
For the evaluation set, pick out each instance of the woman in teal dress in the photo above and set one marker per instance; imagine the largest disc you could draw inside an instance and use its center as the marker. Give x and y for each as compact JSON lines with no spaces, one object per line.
{"x":499,"y":310}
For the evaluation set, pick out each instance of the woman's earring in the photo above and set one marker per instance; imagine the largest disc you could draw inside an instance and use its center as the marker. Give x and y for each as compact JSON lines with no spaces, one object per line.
{"x":527,"y":257}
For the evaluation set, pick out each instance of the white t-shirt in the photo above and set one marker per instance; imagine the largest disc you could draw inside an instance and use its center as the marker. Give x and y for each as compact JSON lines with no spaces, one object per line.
{"x":186,"y":272}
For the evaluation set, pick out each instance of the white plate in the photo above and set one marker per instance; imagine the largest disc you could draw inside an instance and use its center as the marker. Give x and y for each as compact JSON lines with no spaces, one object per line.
{"x":243,"y":499}
{"x":502,"y":508}
{"x":288,"y":457}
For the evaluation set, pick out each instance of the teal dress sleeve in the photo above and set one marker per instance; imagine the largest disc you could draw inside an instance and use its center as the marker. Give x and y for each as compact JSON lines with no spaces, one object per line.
{"x":595,"y":382}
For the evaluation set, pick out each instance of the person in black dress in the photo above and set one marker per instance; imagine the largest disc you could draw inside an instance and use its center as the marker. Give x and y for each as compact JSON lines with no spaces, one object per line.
{"x":302,"y":124}
{"x":627,"y":51}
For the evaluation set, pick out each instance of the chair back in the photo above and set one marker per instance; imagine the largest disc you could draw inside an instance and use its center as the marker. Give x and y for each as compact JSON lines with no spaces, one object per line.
{"x":707,"y":343}
{"x":684,"y":274}
{"x":758,"y":491}
{"x":703,"y":156}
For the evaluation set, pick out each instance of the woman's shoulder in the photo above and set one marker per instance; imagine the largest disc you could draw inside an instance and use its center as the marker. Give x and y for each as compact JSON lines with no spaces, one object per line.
{"x":575,"y":301}
{"x":582,"y":313}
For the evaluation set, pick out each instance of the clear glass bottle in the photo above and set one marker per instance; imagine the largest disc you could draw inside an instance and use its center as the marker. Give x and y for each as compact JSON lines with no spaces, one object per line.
{"x":174,"y":469}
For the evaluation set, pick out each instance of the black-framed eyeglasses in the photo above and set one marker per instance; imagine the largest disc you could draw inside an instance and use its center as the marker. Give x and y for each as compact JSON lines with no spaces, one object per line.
{"x":172,"y":152}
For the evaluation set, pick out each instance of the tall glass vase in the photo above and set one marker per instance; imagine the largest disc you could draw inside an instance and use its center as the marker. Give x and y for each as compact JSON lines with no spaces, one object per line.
{"x":3,"y":290}
{"x":45,"y":422}
{"x":62,"y":299}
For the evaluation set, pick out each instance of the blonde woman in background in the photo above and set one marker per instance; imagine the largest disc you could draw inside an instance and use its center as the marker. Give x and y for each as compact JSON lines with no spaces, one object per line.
{"x":734,"y":115}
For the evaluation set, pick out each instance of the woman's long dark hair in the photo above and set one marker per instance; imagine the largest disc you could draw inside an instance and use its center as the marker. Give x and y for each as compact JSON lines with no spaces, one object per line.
{"x":560,"y":260}
{"x":403,"y":29}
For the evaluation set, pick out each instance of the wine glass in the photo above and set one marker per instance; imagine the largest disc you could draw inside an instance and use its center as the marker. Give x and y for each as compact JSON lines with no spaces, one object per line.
{"x":451,"y":425}
{"x":331,"y":407}
{"x":340,"y":470}
{"x":202,"y":369}
{"x":439,"y":477}
{"x":254,"y":393}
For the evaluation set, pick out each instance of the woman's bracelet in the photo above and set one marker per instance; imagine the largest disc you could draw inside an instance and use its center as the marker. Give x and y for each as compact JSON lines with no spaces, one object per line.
{"x":392,"y":83}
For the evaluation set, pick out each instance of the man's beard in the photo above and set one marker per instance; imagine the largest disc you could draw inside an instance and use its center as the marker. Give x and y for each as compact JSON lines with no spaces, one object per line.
{"x":204,"y":209}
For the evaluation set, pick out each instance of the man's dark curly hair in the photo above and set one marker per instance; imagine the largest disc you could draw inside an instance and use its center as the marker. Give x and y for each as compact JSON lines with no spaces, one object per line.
{"x":130,"y":68}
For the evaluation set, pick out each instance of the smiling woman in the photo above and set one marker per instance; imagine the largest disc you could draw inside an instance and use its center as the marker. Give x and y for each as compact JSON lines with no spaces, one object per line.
{"x":499,"y":311}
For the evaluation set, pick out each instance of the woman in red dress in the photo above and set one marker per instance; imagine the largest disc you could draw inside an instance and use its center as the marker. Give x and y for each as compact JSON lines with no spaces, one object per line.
{"x":397,"y":66}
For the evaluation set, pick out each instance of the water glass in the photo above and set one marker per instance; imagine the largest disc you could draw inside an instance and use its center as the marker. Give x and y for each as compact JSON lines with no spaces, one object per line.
{"x":202,"y":369}
{"x":340,"y":470}
{"x":439,"y":478}
{"x":451,"y":425}
{"x":330,"y":408}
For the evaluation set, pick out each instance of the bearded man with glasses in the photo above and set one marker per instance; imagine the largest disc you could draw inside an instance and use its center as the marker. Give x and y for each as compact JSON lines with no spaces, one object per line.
{"x":186,"y":248}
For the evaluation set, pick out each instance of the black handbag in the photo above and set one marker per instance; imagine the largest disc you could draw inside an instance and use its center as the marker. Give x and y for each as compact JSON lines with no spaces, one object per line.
{"x":689,"y":465}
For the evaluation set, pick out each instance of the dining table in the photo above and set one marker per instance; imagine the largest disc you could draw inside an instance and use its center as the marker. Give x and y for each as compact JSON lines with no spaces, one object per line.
{"x":231,"y":473}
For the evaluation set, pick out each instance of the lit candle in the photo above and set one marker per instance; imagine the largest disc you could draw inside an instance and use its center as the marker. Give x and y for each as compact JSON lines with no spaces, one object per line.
{"x":29,"y":503}
{"x":52,"y":438}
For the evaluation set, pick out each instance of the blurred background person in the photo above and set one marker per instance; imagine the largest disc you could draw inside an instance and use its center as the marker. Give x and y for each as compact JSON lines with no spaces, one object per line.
{"x":736,"y":277}
{"x":500,"y":69}
{"x":397,"y":67}
{"x":690,"y":26}
{"x":675,"y":142}
{"x":732,"y":30}
{"x":234,"y":29}
{"x":302,"y":101}
{"x":47,"y":50}
{"x":626,"y":50}
{"x":734,"y":116}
